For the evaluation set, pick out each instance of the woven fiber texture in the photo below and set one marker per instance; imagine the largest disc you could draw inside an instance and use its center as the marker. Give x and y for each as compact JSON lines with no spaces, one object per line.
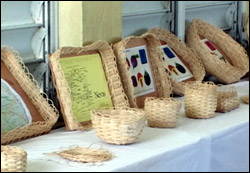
{"x":13,"y":159}
{"x":188,"y":54}
{"x":245,"y":99}
{"x":85,"y":155}
{"x":118,"y":125}
{"x":118,"y":97}
{"x":225,"y":72}
{"x":200,"y":99}
{"x":40,"y":100}
{"x":161,"y":78}
{"x":162,"y":112}
{"x":227,"y":99}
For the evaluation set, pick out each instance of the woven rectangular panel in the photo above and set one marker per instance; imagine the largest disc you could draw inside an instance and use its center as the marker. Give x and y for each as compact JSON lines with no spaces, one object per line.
{"x":117,"y":94}
{"x":187,"y":54}
{"x":161,"y":78}
{"x":45,"y":109}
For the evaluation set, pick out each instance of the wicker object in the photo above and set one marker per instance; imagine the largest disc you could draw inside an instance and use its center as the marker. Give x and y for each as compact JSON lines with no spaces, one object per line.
{"x":85,"y":155}
{"x":117,"y":94}
{"x":162,"y":112}
{"x":161,"y":79}
{"x":200,"y":99}
{"x":227,"y":99}
{"x":13,"y":159}
{"x":235,"y":53}
{"x":245,"y":99}
{"x":189,"y":55}
{"x":44,"y":106}
{"x":118,"y":125}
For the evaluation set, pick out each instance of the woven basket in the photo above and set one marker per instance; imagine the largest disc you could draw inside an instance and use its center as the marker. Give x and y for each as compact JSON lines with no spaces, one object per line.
{"x":40,"y":100}
{"x":118,"y":125}
{"x":161,"y":79}
{"x":245,"y":99}
{"x":227,"y":99}
{"x":200,"y":99}
{"x":225,"y":72}
{"x":189,"y":55}
{"x":162,"y":112}
{"x":117,"y":94}
{"x":13,"y":159}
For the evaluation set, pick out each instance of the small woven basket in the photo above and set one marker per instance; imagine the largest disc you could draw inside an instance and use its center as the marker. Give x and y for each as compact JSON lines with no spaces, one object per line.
{"x":162,"y":112}
{"x":225,"y":72}
{"x":227,"y":99}
{"x":190,"y":56}
{"x":200,"y":99}
{"x":118,"y":125}
{"x":245,"y":99}
{"x":13,"y":159}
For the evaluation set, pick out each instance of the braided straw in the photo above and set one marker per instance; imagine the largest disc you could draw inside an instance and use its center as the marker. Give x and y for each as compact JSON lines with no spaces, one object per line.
{"x":162,"y":112}
{"x":118,"y":125}
{"x":161,"y":78}
{"x":245,"y":99}
{"x":200,"y":99}
{"x":85,"y":155}
{"x":13,"y":159}
{"x":227,"y":99}
{"x":225,"y":72}
{"x":118,"y":96}
{"x":188,"y":54}
{"x":40,"y":100}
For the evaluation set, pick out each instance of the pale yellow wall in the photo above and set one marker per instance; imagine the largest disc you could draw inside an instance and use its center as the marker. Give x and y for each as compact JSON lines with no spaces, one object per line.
{"x":70,"y":23}
{"x":102,"y":20}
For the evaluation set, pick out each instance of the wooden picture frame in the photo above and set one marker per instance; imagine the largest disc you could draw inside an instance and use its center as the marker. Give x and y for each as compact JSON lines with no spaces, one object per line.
{"x":108,"y":59}
{"x":43,"y":112}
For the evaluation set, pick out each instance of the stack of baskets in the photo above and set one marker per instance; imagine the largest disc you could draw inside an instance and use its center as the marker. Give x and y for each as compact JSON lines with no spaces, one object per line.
{"x":118,"y":125}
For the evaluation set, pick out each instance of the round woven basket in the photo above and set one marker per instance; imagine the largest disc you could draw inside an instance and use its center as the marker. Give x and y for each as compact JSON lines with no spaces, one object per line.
{"x":227,"y":99}
{"x":162,"y":112}
{"x":190,"y":56}
{"x":200,"y":99}
{"x":236,"y":54}
{"x":245,"y":99}
{"x":13,"y":159}
{"x":118,"y":125}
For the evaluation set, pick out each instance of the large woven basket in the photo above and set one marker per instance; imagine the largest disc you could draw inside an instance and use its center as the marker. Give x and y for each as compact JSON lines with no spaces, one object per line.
{"x":236,"y":54}
{"x":162,"y":112}
{"x":161,"y":78}
{"x":40,"y":100}
{"x":13,"y":159}
{"x":200,"y":99}
{"x":189,"y":55}
{"x":118,"y":97}
{"x":227,"y":99}
{"x":118,"y":125}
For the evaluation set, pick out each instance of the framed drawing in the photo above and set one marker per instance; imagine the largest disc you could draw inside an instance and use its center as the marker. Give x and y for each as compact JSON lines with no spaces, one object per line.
{"x":86,"y":78}
{"x":24,"y":111}
{"x":141,"y":69}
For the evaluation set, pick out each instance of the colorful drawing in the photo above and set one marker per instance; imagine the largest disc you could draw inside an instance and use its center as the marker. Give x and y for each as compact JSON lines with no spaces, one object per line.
{"x":143,"y":56}
{"x":134,"y":60}
{"x":180,"y":68}
{"x":133,"y":78}
{"x":173,"y":69}
{"x":168,"y":52}
{"x":147,"y":78}
{"x":140,"y":78}
{"x":210,"y":45}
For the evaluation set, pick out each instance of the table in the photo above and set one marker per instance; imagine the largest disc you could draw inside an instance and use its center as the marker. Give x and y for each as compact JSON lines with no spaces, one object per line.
{"x":217,"y":144}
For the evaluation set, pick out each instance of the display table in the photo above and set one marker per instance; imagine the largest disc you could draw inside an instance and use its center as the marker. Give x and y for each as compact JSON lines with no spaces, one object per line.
{"x":217,"y":144}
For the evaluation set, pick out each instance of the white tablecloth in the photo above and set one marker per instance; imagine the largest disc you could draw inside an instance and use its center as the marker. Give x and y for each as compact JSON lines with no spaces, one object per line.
{"x":217,"y":144}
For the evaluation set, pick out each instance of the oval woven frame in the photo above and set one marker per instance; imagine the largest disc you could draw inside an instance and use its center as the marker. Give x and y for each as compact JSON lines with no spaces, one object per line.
{"x":13,"y":159}
{"x":118,"y":125}
{"x":30,"y":86}
{"x":200,"y":99}
{"x":162,"y":80}
{"x":225,"y":72}
{"x":162,"y":112}
{"x":190,"y":56}
{"x":118,"y":97}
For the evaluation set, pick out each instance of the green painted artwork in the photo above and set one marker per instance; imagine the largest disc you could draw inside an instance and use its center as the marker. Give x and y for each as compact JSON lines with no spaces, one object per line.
{"x":88,"y":85}
{"x":14,"y":112}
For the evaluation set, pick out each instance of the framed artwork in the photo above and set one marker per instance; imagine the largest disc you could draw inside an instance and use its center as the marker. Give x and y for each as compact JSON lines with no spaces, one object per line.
{"x":86,"y":78}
